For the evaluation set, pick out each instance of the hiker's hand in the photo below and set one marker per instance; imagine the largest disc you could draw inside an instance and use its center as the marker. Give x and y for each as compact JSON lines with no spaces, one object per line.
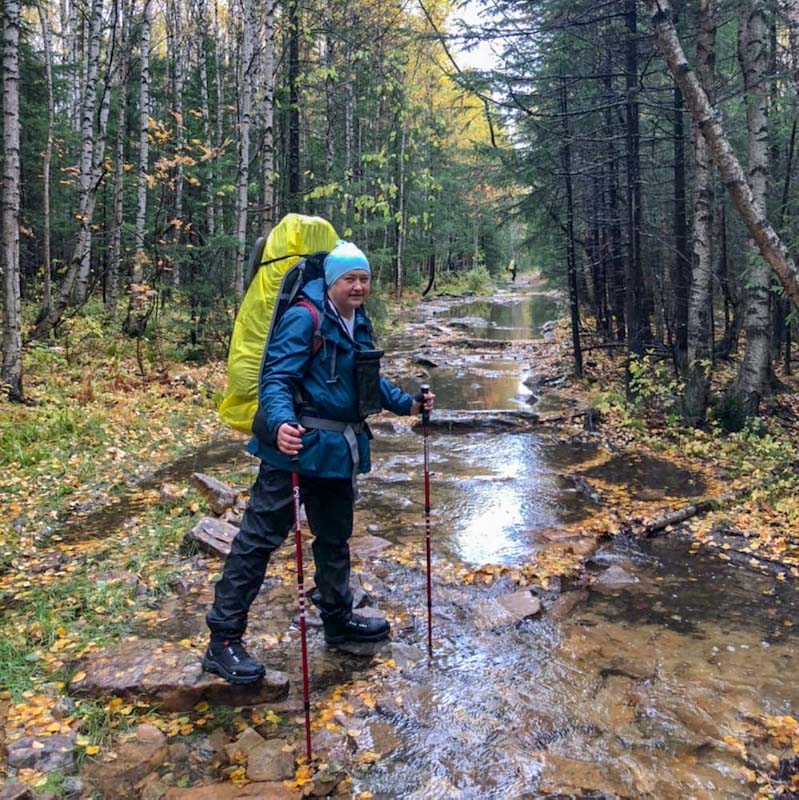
{"x":288,"y":439}
{"x":429,"y":402}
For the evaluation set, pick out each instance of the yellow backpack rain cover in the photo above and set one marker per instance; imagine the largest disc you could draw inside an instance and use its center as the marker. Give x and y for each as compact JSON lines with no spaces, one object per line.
{"x":295,"y":236}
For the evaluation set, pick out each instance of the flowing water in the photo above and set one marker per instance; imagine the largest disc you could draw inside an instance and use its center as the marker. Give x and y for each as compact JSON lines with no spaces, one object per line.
{"x":630,"y":695}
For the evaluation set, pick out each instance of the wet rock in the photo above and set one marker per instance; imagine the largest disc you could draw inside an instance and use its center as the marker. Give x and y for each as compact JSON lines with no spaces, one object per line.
{"x":613,"y":579}
{"x":368,"y":546}
{"x":117,"y":778}
{"x":424,"y":362}
{"x":506,"y":610}
{"x":406,"y":655}
{"x":229,"y":791}
{"x":45,"y":754}
{"x":211,"y":536}
{"x":152,"y":788}
{"x":272,"y":760}
{"x":564,"y":606}
{"x":567,"y":775}
{"x":380,"y":737}
{"x":436,"y":788}
{"x":72,"y":788}
{"x":16,"y":791}
{"x":170,"y":494}
{"x":219,"y":496}
{"x":325,"y":783}
{"x":584,"y":487}
{"x":168,"y":675}
{"x":248,"y":741}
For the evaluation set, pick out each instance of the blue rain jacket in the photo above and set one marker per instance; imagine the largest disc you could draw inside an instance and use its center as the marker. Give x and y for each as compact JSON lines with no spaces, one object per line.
{"x":329,"y":387}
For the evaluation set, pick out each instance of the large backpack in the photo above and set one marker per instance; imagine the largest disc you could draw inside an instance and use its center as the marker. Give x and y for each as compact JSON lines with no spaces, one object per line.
{"x":279,"y":267}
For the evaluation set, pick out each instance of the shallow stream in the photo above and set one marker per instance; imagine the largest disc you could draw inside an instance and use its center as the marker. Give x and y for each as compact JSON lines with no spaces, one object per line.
{"x":630,"y":695}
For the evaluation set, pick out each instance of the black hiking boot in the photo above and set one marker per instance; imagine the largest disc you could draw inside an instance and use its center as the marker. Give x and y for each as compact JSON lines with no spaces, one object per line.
{"x":228,"y":658}
{"x":356,"y":629}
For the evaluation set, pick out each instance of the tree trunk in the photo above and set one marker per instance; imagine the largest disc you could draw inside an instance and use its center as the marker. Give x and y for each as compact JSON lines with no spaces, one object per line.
{"x":243,"y":177}
{"x":121,"y":80}
{"x":50,"y":315}
{"x":86,"y":164}
{"x":48,"y":154}
{"x":294,"y":183}
{"x":399,"y":217}
{"x":682,"y":262}
{"x":136,"y":319}
{"x":140,"y":254}
{"x":700,"y":338}
{"x":574,"y":304}
{"x":202,"y":14}
{"x":634,"y":306}
{"x":752,"y":381}
{"x":268,"y":115}
{"x":175,"y":34}
{"x":770,"y":245}
{"x":11,"y":374}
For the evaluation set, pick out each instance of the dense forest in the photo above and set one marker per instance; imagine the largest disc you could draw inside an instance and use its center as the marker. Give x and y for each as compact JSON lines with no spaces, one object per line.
{"x":147,"y":144}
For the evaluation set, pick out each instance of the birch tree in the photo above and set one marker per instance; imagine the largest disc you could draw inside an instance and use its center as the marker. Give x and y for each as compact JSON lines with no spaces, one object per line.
{"x":751,"y":383}
{"x":700,"y":341}
{"x":47,"y":156}
{"x":769,"y":243}
{"x":242,"y":183}
{"x":11,"y":374}
{"x":88,"y":184}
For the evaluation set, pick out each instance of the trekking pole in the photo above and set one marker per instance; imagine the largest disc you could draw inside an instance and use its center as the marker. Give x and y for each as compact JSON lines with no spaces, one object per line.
{"x":306,"y":692}
{"x":425,"y":390}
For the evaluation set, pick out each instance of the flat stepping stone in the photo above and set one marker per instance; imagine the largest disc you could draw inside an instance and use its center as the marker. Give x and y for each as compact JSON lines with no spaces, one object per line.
{"x":211,"y":535}
{"x":368,"y":546}
{"x":168,"y":675}
{"x":506,"y":610}
{"x":219,"y":496}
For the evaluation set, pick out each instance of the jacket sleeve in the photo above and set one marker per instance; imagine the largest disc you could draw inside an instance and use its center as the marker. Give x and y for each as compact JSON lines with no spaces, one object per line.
{"x":393,"y":398}
{"x":286,"y":362}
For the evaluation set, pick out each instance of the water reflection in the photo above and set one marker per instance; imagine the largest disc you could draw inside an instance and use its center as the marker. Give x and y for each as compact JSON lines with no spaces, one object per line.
{"x":518,"y":319}
{"x":491,"y":494}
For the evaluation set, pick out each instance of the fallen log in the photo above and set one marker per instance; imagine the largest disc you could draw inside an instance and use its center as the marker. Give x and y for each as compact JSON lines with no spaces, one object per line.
{"x":509,"y":420}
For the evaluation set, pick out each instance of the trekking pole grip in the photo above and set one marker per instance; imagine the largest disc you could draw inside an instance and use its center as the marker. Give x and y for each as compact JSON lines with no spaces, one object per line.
{"x":424,"y":390}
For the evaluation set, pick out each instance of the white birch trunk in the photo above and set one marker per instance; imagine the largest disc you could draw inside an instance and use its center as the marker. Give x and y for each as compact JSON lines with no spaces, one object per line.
{"x":268,"y":116}
{"x":752,"y":381}
{"x":175,"y":34}
{"x":202,"y":15}
{"x":47,"y":157}
{"x":243,"y":177}
{"x":700,"y":342}
{"x":121,"y":75}
{"x":11,"y":373}
{"x":220,"y":110}
{"x":769,"y":243}
{"x":98,"y":154}
{"x":140,"y":255}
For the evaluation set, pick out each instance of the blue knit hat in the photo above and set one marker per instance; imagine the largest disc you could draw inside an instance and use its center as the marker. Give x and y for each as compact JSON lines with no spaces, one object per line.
{"x":345,"y":256}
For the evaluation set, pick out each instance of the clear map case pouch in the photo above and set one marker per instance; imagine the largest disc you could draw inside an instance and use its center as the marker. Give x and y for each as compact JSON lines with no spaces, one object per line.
{"x":367,"y":382}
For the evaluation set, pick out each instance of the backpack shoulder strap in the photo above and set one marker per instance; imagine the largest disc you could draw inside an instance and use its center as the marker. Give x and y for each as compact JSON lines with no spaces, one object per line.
{"x":316,"y":345}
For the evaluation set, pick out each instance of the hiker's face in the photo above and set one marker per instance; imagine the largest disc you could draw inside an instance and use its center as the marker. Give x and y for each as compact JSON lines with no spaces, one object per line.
{"x":350,"y":291}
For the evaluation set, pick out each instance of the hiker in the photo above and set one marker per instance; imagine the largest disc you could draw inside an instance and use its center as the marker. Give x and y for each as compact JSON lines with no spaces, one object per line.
{"x":310,"y":403}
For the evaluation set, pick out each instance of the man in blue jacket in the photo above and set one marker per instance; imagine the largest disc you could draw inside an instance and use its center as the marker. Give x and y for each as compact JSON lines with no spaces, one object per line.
{"x":310,"y":402}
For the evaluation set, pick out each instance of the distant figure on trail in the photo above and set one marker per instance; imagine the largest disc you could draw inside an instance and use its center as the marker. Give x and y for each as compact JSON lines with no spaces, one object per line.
{"x":313,"y":404}
{"x":512,"y":270}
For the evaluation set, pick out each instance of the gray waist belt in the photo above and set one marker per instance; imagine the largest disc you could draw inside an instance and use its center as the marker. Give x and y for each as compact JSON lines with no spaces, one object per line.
{"x":350,"y":431}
